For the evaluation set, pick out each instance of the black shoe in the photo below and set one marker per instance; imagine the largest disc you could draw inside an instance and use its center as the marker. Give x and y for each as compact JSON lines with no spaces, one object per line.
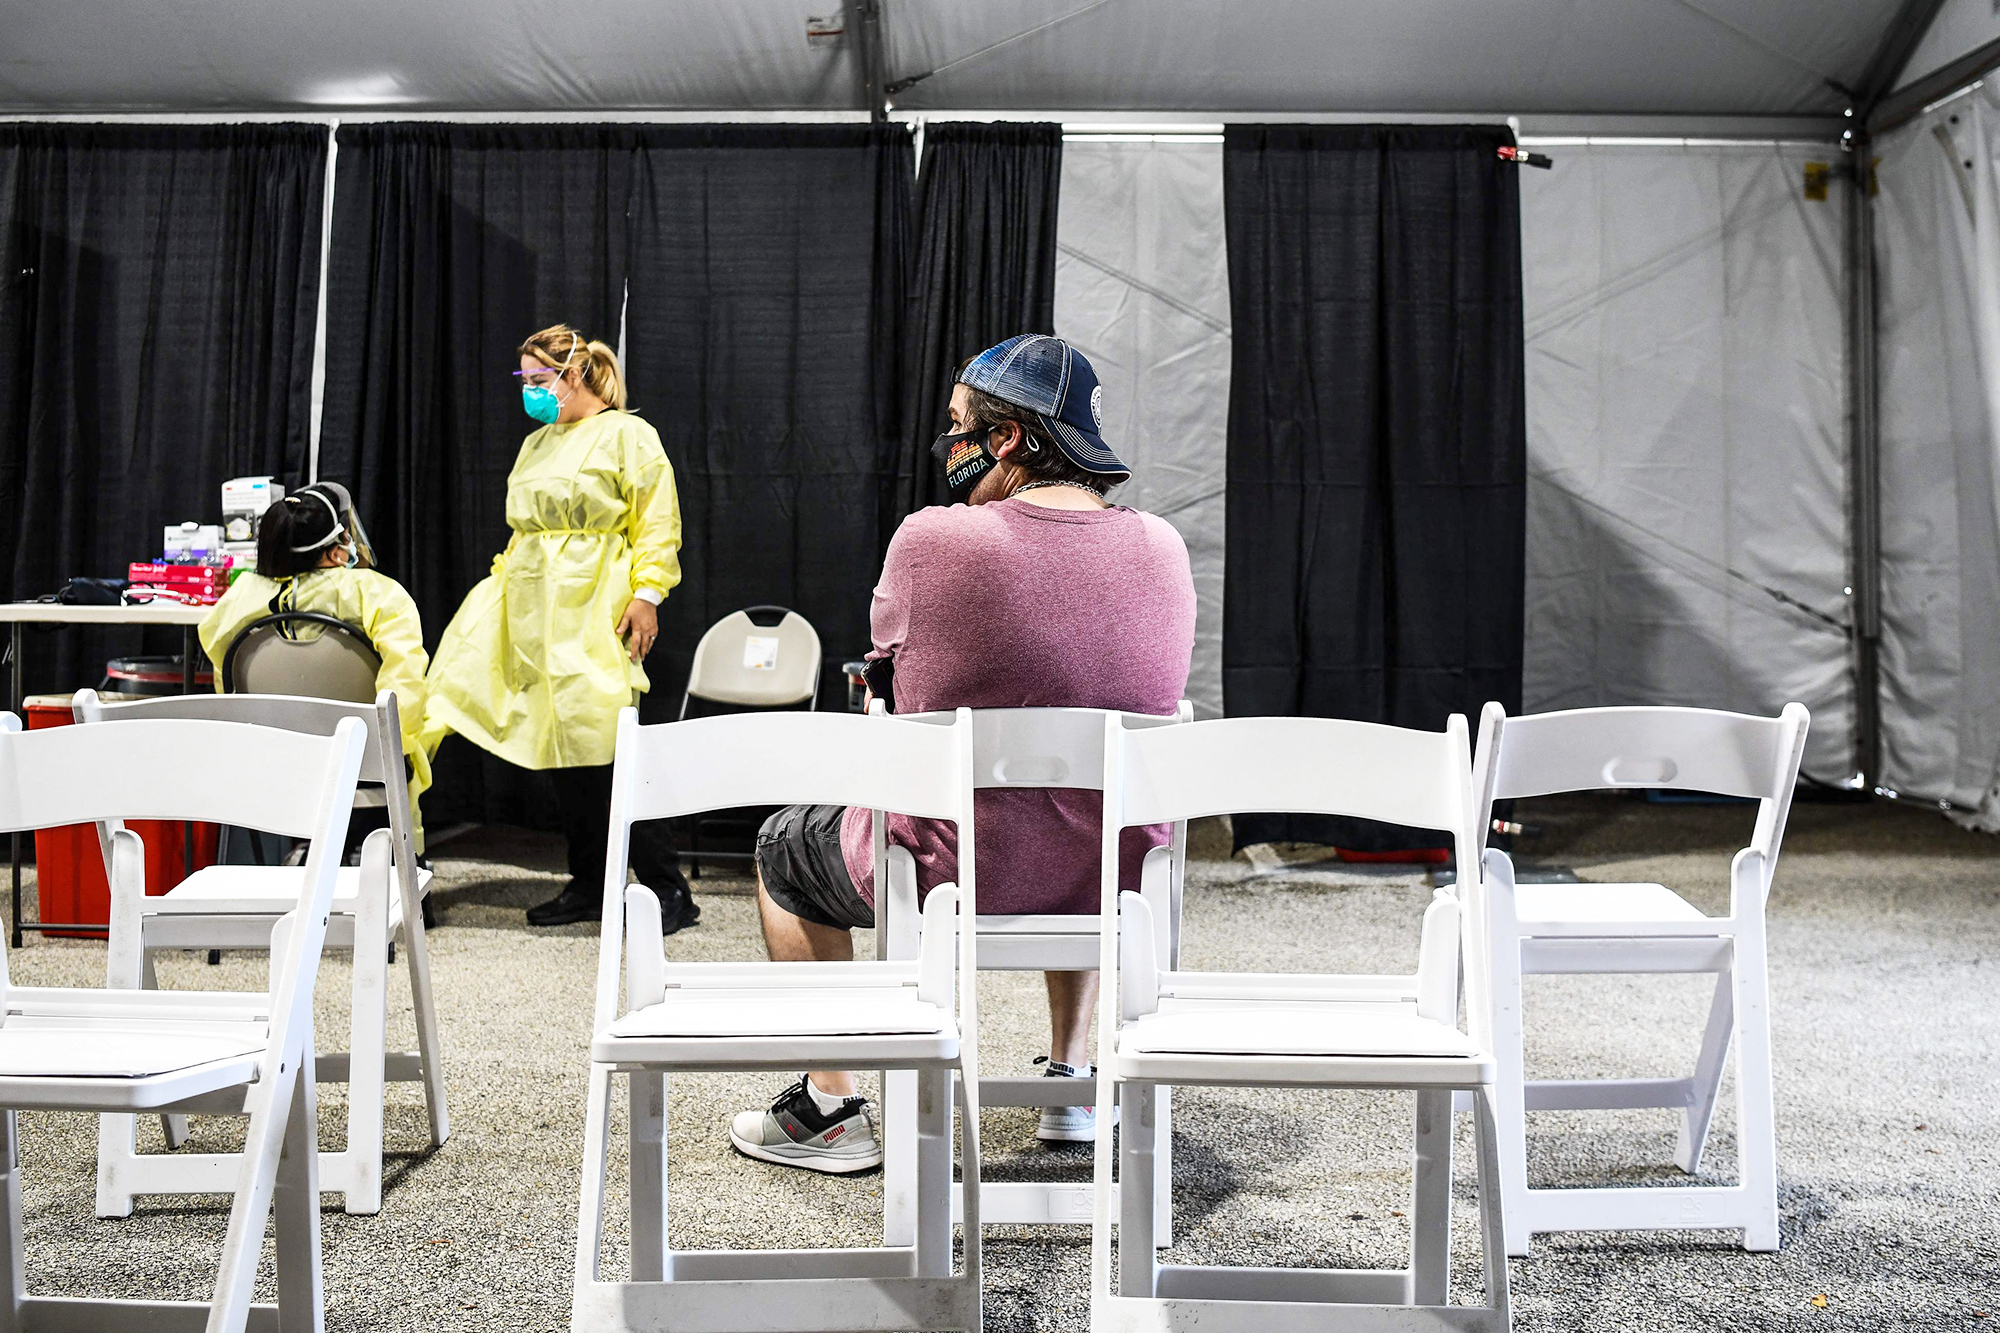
{"x":678,"y":910}
{"x":574,"y":903}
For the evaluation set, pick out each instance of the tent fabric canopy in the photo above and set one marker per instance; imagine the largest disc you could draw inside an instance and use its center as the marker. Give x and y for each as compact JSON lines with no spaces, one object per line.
{"x":1685,"y":57}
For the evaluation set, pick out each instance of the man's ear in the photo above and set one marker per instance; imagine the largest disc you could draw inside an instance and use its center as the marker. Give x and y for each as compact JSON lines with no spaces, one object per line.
{"x":1005,"y":440}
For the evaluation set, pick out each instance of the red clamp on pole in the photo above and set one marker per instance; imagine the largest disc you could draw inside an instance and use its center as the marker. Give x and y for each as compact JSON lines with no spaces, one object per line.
{"x":1521,"y":157}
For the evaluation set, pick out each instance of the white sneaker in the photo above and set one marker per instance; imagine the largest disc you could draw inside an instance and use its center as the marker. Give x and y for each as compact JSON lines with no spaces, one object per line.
{"x":795,"y":1132}
{"x":1068,"y":1124}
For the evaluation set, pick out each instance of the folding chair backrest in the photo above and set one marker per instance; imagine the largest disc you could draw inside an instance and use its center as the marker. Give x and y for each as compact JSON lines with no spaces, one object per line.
{"x":1041,"y":747}
{"x":740,"y":661}
{"x":96,"y":775}
{"x":1310,"y":765}
{"x":155,"y":768}
{"x":792,"y":758}
{"x":717,"y":763}
{"x":308,"y":716}
{"x":1048,"y":748}
{"x":381,"y":751}
{"x":271,"y":656}
{"x":1296,"y":765}
{"x":1679,"y":749}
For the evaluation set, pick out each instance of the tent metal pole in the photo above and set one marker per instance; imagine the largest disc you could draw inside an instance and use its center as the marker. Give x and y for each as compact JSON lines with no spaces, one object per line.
{"x":1864,"y":423}
{"x":1864,"y":468}
{"x":867,"y":15}
{"x":319,"y":316}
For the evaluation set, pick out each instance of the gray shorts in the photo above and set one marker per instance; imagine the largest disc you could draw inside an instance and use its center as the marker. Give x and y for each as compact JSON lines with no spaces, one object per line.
{"x":799,"y":859}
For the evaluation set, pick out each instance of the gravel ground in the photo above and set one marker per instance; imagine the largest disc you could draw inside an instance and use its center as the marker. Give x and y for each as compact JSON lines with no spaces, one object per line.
{"x":1885,"y":936}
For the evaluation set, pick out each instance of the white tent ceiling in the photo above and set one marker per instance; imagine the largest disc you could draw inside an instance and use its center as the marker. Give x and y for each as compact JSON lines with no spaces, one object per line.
{"x":1572,"y":57}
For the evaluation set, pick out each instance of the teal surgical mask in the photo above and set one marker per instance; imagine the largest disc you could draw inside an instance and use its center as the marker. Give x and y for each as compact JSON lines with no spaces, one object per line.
{"x":540,"y":403}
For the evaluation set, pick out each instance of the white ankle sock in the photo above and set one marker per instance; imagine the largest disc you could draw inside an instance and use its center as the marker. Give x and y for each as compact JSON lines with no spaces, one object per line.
{"x":825,"y":1101}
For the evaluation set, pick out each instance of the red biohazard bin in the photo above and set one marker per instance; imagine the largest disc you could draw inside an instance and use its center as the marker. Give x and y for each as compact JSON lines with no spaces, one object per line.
{"x":69,"y":868}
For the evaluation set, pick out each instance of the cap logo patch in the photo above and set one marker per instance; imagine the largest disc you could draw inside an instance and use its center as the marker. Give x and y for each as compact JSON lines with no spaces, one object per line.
{"x":1097,"y":406}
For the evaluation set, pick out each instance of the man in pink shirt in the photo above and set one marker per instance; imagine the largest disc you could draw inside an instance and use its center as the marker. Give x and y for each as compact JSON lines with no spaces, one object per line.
{"x":1034,"y":592}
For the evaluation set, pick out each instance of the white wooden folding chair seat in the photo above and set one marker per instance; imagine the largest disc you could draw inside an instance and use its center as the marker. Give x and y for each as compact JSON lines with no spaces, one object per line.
{"x":906,"y":1014}
{"x":1159,"y":1026}
{"x":168,"y":1060}
{"x":1047,"y":748}
{"x":810,"y":1013}
{"x":1607,"y":905}
{"x":256,"y":890}
{"x":1257,"y":1028}
{"x":1642,"y":928}
{"x":124,"y":1050}
{"x":233,"y":906}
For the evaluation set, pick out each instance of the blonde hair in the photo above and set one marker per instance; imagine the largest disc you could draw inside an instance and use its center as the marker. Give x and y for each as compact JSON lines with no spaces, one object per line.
{"x":561,"y":347}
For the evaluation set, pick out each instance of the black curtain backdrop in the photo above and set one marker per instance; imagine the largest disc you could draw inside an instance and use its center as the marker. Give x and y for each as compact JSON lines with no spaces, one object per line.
{"x":764,"y":269}
{"x":767,"y":267}
{"x":159,"y":287}
{"x":1377,"y":434}
{"x":984,"y":269}
{"x":452,"y":243}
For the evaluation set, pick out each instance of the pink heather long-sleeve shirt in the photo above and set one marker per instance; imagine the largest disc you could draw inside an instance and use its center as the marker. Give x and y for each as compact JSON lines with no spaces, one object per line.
{"x":1014,"y":605}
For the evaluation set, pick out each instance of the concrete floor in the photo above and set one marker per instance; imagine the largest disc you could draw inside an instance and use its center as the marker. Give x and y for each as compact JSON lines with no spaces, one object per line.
{"x":1885,"y":938}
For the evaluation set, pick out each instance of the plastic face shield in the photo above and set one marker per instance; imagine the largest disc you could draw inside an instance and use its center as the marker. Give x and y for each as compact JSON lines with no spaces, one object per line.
{"x":335,"y":497}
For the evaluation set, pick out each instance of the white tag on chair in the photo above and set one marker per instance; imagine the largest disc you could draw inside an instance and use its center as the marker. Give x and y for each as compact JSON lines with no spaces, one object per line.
{"x":760,"y":653}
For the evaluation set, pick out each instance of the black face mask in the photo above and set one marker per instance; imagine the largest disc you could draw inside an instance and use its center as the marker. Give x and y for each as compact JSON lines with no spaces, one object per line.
{"x":965,"y":459}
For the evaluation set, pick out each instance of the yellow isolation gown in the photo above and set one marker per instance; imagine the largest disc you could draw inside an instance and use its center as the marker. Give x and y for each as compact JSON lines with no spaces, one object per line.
{"x":377,"y":603}
{"x":531,"y":668}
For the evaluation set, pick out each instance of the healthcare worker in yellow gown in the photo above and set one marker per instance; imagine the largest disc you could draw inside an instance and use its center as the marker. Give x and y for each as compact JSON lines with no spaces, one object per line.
{"x":544,"y":652}
{"x":313,"y":555}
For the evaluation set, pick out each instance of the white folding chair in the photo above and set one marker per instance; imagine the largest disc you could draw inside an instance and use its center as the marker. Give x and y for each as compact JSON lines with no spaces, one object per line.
{"x":1575,"y":929}
{"x":232,"y":907}
{"x":1159,"y":1026}
{"x":122,"y":1050}
{"x":1032,"y":748}
{"x":693,"y":1017}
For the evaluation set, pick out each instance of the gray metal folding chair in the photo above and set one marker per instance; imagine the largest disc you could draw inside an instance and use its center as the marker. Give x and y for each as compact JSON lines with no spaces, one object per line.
{"x":759,"y":657}
{"x":276,"y":655}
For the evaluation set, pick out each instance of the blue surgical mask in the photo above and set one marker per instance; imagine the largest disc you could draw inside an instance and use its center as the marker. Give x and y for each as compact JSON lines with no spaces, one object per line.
{"x":541,"y":403}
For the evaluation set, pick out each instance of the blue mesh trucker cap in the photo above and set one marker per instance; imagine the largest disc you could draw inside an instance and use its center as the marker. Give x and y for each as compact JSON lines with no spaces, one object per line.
{"x":1053,"y":380}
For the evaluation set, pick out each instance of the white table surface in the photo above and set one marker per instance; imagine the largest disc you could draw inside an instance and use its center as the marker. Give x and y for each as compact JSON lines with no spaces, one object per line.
{"x":54,"y":613}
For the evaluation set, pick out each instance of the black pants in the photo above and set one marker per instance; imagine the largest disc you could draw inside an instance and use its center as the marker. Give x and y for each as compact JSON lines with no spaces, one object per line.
{"x":583,"y":795}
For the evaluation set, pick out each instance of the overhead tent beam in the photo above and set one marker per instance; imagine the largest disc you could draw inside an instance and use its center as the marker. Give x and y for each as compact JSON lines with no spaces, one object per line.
{"x":1909,"y":101}
{"x":1677,"y":128}
{"x":1899,"y":43}
{"x":1663,"y":129}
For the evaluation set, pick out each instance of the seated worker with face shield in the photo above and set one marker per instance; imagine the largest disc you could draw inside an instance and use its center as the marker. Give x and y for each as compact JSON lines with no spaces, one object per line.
{"x":1029,"y":590}
{"x":313,"y":555}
